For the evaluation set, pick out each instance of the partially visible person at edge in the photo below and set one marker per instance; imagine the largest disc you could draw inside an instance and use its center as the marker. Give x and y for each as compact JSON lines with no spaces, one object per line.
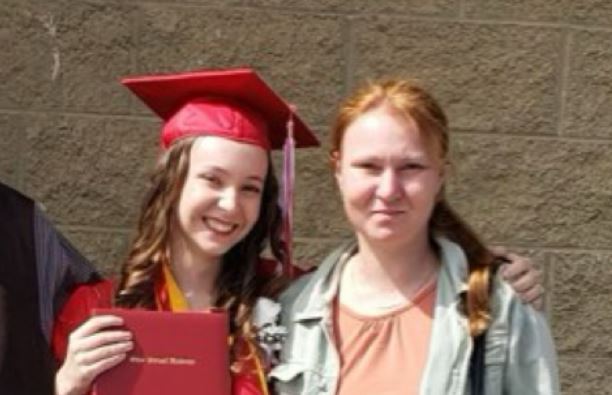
{"x":396,"y":311}
{"x":211,"y":210}
{"x":38,"y":269}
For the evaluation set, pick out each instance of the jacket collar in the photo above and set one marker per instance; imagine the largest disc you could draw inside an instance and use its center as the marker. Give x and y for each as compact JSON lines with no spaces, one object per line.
{"x":318,"y":295}
{"x":454,"y":265}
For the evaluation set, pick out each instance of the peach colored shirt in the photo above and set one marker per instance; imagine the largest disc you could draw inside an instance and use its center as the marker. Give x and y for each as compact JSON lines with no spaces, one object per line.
{"x":385,"y":354}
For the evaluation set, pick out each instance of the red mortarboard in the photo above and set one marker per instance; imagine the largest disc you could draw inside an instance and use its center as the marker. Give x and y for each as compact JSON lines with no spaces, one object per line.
{"x":231,"y":103}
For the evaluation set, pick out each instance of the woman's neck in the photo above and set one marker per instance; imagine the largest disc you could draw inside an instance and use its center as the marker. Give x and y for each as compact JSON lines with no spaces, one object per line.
{"x":195,"y":274}
{"x":380,"y":277}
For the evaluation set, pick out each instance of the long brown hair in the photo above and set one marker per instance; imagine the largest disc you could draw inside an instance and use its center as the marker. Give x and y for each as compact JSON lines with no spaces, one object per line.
{"x":406,"y":98}
{"x":238,"y":285}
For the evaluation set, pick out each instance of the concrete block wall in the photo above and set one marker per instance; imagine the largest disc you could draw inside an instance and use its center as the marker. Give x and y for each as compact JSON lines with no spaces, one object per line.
{"x":527,"y":85}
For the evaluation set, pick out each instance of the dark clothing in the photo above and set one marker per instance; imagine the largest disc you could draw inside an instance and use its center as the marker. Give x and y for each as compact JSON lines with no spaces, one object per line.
{"x":2,"y":324}
{"x":38,"y":268}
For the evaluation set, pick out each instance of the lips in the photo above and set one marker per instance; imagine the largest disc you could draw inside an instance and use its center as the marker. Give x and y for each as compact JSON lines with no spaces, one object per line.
{"x":388,"y":212}
{"x":220,"y":226}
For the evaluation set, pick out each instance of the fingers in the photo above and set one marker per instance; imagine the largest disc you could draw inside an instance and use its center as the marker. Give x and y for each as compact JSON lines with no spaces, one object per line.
{"x":517,"y":266}
{"x":526,"y":280}
{"x":94,"y":362}
{"x":534,"y":296}
{"x":523,"y":277}
{"x":103,"y":365}
{"x":95,"y":339}
{"x":102,"y":338}
{"x":76,"y":379}
{"x":96,"y":346}
{"x":96,"y":324}
{"x":94,"y":355}
{"x":499,"y":250}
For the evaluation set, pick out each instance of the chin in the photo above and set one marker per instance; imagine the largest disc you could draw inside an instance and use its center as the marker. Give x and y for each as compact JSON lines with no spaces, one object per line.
{"x":389,"y":235}
{"x":215,"y":249}
{"x":382,"y":237}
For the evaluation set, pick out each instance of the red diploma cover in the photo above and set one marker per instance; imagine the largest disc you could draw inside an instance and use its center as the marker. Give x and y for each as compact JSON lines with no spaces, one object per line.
{"x":174,"y":354}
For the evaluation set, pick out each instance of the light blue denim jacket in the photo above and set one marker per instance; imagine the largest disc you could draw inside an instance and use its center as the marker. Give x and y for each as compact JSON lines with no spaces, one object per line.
{"x":520,"y":356}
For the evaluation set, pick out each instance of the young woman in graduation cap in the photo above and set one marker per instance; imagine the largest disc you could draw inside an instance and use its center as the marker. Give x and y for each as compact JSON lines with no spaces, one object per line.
{"x":211,"y":210}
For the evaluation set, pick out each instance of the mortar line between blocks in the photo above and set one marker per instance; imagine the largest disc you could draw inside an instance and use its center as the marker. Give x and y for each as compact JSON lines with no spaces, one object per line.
{"x":96,"y":229}
{"x":568,"y":41}
{"x":71,"y":114}
{"x":543,"y":137}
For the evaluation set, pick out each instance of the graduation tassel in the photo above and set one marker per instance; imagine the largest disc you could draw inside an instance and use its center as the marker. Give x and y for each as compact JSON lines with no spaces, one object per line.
{"x":288,"y":178}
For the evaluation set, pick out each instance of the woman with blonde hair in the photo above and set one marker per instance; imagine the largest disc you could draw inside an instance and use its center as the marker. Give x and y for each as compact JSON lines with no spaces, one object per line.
{"x":414,"y":305}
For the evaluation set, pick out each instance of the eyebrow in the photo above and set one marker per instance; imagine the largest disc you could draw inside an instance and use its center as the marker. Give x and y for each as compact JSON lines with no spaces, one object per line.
{"x":409,"y":157}
{"x":256,"y":178}
{"x":223,"y":171}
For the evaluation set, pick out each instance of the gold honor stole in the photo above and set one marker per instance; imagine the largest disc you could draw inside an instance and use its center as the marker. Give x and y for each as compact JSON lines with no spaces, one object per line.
{"x":169,"y":297}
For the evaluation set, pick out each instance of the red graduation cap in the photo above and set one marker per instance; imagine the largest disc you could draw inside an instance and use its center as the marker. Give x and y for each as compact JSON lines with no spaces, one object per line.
{"x":231,"y":103}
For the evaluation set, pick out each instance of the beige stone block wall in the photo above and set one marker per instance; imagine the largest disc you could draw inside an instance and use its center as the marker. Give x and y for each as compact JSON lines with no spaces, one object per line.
{"x":527,"y":86}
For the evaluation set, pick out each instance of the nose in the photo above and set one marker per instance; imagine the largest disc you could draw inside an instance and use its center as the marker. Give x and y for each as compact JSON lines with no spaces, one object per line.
{"x":389,"y":186}
{"x":228,"y":199}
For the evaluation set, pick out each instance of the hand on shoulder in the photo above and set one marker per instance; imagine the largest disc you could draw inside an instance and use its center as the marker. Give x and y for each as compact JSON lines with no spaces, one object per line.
{"x":523,"y":276}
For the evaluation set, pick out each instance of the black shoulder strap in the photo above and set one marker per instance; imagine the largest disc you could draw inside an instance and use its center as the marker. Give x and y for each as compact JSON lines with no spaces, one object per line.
{"x":477,"y":365}
{"x":477,"y":359}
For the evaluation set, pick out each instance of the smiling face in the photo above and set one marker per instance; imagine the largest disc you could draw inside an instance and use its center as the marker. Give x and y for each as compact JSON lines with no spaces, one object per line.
{"x":388,"y":176}
{"x":221,"y":196}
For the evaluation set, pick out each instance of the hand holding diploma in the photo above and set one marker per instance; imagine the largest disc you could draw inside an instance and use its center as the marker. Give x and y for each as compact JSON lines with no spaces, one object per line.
{"x":93,"y":348}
